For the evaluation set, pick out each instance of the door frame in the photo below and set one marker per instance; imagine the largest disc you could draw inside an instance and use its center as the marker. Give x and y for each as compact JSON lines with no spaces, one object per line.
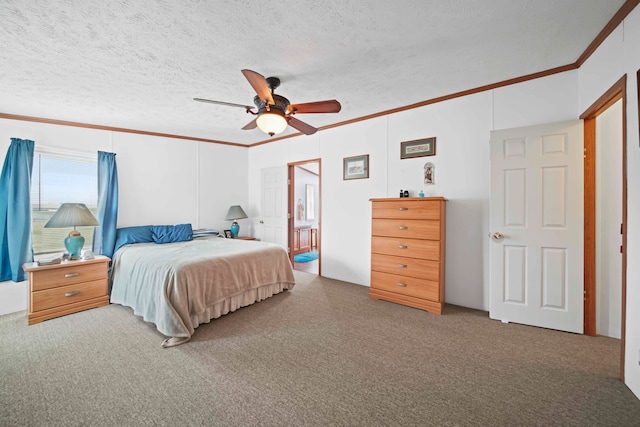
{"x":291,"y":207}
{"x":615,"y":93}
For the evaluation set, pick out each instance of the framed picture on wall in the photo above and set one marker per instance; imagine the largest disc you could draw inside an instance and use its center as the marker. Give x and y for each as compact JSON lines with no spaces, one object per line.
{"x":355,"y":167}
{"x":418,"y":148}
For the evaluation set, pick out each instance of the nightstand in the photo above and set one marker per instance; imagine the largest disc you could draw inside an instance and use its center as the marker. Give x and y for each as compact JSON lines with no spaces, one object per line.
{"x":65,"y":288}
{"x":245,"y":238}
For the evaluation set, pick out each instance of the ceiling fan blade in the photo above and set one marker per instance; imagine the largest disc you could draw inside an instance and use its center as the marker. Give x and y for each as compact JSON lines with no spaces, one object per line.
{"x":301,"y":126}
{"x":251,"y":125}
{"x":259,"y":84}
{"x":329,"y":106}
{"x":228,"y":104}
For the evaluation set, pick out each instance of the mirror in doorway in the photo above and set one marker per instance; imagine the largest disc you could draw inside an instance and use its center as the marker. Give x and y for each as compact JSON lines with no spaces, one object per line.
{"x":310,"y":207}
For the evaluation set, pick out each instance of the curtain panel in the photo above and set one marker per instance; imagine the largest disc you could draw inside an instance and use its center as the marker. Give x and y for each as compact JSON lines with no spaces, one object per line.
{"x":15,"y":210}
{"x":104,"y":236}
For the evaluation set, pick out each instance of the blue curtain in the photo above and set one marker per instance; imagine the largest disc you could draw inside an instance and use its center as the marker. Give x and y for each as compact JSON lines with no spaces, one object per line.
{"x":15,"y":210}
{"x":104,"y":236}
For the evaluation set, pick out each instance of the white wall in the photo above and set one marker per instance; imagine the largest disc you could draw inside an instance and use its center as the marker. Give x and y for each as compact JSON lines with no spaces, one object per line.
{"x":462,"y":127}
{"x":608,"y":220}
{"x":619,"y":55}
{"x":161,"y":180}
{"x":461,"y":174}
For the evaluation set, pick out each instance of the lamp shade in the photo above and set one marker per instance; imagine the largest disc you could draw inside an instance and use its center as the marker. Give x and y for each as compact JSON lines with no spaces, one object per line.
{"x":72,"y":215}
{"x":235,"y":212}
{"x":271,"y":123}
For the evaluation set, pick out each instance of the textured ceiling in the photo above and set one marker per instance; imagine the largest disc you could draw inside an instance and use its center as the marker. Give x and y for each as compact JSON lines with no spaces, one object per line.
{"x":137,"y":64}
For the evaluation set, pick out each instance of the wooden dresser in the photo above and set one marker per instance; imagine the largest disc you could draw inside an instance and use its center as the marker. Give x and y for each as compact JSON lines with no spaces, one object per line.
{"x":69,"y":287}
{"x":408,"y":251}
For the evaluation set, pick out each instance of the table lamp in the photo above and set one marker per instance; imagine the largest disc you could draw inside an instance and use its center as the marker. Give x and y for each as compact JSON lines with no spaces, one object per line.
{"x":72,"y":215}
{"x":235,"y":213}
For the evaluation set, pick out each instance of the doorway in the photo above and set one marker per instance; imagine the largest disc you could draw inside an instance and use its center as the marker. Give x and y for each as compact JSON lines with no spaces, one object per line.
{"x":616,"y":93}
{"x":304,"y":219}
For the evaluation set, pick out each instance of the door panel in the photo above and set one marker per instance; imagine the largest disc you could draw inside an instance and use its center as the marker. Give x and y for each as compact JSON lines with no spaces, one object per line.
{"x":536,"y":257}
{"x":273,"y":218}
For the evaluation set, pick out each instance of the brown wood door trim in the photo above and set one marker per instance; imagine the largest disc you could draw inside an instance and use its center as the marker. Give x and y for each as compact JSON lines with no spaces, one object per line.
{"x":617,"y":92}
{"x":590,"y":226}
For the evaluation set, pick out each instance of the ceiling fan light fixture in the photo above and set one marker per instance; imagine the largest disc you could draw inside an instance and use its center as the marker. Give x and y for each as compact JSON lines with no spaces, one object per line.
{"x":271,"y":123}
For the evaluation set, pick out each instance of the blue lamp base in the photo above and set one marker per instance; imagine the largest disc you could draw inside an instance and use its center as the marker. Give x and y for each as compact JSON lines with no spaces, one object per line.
{"x":74,"y":243}
{"x":235,"y":228}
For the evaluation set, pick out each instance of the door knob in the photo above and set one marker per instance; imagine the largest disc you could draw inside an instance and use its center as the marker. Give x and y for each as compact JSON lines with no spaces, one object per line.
{"x":497,"y":235}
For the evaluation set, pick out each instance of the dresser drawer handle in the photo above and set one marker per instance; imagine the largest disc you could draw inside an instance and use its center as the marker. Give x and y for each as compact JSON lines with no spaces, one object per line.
{"x":403,"y":209}
{"x":402,"y":285}
{"x":403,"y":227}
{"x":71,"y":275}
{"x":71,"y":294}
{"x":402,"y":265}
{"x":402,"y":246}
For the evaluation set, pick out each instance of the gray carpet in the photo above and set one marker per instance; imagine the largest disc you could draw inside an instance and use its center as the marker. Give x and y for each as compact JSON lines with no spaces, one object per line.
{"x":322,"y":354}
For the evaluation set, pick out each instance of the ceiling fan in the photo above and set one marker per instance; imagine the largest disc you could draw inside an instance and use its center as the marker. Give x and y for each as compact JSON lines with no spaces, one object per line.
{"x":274,"y":111}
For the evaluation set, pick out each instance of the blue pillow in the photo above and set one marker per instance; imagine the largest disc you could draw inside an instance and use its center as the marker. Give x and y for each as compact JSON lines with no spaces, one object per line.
{"x":172,"y":233}
{"x":129,"y":235}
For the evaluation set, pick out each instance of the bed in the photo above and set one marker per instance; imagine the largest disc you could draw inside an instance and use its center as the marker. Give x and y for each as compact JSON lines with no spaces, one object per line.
{"x":180,"y":285}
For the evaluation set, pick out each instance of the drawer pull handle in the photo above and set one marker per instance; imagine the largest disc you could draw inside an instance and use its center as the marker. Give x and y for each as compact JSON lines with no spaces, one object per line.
{"x":402,"y":247}
{"x":402,"y":265}
{"x":71,"y":275}
{"x":403,"y":209}
{"x":402,"y":285}
{"x":71,"y":294}
{"x":403,"y":227}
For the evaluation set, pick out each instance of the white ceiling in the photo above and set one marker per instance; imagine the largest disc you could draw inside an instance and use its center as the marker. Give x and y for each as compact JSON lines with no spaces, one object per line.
{"x":137,"y":64}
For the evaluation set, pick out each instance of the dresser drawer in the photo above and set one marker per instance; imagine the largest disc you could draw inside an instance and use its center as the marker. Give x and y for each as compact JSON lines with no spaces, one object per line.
{"x":412,"y":248}
{"x":409,"y":209}
{"x":412,"y":267}
{"x":410,"y":228}
{"x":63,"y":295}
{"x":411,"y":286}
{"x":75,"y":272}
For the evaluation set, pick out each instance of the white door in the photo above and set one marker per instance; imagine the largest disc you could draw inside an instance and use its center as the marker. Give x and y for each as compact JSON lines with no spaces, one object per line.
{"x":273,"y":215}
{"x":537,"y":216}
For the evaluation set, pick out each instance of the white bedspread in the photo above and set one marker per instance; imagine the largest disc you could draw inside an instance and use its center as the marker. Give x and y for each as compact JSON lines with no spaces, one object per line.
{"x":178,"y":286}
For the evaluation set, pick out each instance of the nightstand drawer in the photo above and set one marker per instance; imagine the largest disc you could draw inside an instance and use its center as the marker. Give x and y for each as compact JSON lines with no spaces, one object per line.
{"x":63,"y":295}
{"x":67,"y":274}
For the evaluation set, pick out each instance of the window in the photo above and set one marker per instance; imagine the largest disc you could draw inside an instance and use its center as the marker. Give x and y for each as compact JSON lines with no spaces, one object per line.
{"x":60,"y":178}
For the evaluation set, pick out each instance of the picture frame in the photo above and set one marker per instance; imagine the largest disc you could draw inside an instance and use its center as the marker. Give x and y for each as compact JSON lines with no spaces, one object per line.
{"x":356,"y":167}
{"x":418,"y":148}
{"x":227,"y":234}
